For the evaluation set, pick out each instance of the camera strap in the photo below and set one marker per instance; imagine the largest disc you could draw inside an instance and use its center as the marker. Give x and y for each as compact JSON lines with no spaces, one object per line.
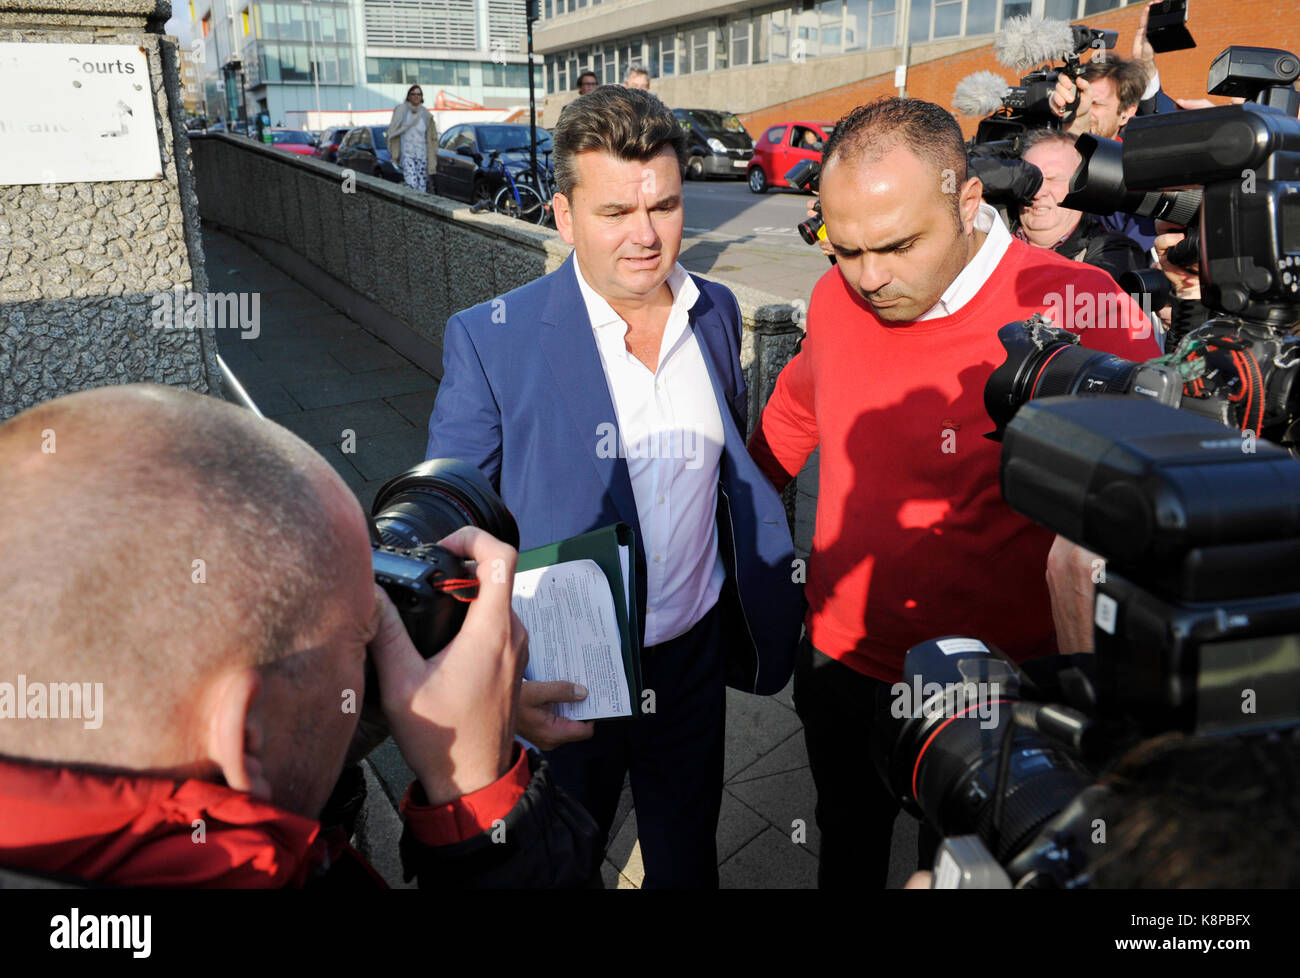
{"x":461,"y":588}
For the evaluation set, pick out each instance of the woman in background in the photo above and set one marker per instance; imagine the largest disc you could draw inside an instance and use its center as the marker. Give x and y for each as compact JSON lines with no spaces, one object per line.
{"x":413,"y":139}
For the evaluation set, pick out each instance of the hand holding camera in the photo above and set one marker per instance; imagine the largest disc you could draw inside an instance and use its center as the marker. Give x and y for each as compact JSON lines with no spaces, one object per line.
{"x":453,"y":715}
{"x":1071,"y":102}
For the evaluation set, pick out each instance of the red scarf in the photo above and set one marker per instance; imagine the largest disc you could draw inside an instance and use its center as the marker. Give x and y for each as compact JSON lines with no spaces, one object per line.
{"x":140,"y":831}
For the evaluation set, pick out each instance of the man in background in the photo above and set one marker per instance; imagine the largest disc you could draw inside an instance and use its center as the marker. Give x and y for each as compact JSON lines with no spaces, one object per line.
{"x":1044,"y":223}
{"x":637,"y":76}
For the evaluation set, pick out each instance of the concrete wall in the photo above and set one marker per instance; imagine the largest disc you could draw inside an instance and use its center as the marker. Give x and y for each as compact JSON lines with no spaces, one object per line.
{"x":79,"y":262}
{"x":401,"y":262}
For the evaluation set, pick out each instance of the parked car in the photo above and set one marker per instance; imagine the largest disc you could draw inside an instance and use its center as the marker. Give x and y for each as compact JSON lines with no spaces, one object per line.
{"x":365,"y":150}
{"x":781,"y":147}
{"x":297,"y":141}
{"x":464,"y":169}
{"x":327,"y":147}
{"x":716,"y":143}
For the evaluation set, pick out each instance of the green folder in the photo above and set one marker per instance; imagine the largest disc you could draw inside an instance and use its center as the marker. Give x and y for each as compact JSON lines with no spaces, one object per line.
{"x":602,"y":546}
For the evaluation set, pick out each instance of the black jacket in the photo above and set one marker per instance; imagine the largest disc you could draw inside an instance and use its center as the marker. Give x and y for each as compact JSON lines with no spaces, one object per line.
{"x":1110,"y":251}
{"x":549,"y":841}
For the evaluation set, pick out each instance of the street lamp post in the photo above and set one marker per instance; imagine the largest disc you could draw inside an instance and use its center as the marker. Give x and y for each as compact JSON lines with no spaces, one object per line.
{"x":530,"y":15}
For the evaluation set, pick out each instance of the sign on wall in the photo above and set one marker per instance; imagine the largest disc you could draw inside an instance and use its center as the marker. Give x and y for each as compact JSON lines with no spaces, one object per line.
{"x":75,"y":113}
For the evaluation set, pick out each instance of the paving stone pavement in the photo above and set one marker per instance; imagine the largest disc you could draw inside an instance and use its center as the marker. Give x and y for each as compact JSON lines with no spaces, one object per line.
{"x":338,"y":388}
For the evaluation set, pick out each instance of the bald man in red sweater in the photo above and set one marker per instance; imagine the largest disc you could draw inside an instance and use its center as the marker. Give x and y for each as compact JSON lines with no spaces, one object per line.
{"x":912,"y":539}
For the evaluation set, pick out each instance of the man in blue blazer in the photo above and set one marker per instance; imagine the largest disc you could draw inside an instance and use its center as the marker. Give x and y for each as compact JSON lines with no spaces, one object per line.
{"x":611,"y":391}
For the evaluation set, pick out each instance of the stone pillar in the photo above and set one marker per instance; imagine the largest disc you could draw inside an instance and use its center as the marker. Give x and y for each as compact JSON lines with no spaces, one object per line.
{"x":79,"y":262}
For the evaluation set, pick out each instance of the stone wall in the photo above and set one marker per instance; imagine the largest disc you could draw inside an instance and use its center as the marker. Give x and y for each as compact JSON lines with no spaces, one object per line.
{"x":401,"y":262}
{"x":79,"y":262}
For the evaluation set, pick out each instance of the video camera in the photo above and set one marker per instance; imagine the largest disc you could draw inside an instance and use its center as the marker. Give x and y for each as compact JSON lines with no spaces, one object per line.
{"x":1239,"y":368}
{"x":1009,"y":111}
{"x":1196,"y":624}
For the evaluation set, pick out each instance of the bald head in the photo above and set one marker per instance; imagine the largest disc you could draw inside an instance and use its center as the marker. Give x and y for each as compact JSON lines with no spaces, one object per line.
{"x":152,"y":539}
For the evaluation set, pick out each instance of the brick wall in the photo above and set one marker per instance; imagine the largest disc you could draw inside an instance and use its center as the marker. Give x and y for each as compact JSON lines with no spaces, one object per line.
{"x":1215,"y":24}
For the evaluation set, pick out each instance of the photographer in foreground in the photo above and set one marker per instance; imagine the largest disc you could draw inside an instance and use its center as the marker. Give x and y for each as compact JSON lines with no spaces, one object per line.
{"x":214,"y":574}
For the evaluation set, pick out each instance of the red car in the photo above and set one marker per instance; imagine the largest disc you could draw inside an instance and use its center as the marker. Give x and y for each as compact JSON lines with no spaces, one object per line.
{"x":294,"y":141}
{"x":781,"y":147}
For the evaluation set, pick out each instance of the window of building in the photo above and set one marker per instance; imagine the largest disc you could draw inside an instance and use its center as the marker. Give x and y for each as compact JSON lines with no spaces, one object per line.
{"x":509,"y":76}
{"x":1020,"y":8}
{"x":759,"y":39}
{"x":699,"y":49}
{"x":918,"y":29}
{"x":417,"y":71}
{"x":1097,"y":6}
{"x":947,"y":18}
{"x":628,"y":54}
{"x":884,"y":23}
{"x":779,"y":35}
{"x":667,"y":55}
{"x":721,"y":47}
{"x":739,"y":36}
{"x":981,"y":17}
{"x":831,"y":14}
{"x":611,"y":67}
{"x":806,"y":41}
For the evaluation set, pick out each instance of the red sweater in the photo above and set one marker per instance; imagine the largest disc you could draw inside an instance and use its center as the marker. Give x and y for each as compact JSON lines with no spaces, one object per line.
{"x":912,"y":539}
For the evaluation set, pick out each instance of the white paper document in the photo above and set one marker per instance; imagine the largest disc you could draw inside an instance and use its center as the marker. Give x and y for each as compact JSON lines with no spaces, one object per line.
{"x":573,"y":635}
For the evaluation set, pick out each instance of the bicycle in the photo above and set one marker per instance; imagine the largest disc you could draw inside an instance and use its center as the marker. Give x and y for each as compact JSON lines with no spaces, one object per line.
{"x":527,"y":198}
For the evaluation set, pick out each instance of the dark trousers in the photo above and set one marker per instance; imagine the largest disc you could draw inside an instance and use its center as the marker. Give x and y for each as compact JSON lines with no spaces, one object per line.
{"x":674,"y":756}
{"x":839,"y":707}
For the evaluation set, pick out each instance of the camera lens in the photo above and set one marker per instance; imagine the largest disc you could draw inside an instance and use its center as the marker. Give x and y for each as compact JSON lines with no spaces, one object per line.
{"x":1048,"y":362}
{"x":942,"y":740}
{"x":436,"y":498}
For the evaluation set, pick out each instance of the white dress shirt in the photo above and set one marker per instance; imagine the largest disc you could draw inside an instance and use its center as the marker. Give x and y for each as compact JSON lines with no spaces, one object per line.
{"x":670,"y":432}
{"x":972,"y":278}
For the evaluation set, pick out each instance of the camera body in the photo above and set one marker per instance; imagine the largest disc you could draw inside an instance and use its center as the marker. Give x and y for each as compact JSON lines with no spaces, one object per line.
{"x":1196,"y":626}
{"x":1026,"y":106}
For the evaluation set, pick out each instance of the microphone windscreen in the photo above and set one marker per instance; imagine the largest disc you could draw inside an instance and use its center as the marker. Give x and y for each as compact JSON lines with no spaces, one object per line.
{"x":980,"y":94}
{"x":1027,"y":42}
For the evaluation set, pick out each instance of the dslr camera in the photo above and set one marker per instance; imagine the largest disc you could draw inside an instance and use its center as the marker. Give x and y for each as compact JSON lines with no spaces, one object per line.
{"x":429,"y":585}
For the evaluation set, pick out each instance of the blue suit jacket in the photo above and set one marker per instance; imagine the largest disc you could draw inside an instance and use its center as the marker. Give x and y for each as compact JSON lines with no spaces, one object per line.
{"x":524,"y":398}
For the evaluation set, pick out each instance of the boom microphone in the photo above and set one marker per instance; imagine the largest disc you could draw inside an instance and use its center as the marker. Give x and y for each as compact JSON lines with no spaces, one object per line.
{"x":1027,"y":42}
{"x":980,"y":94}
